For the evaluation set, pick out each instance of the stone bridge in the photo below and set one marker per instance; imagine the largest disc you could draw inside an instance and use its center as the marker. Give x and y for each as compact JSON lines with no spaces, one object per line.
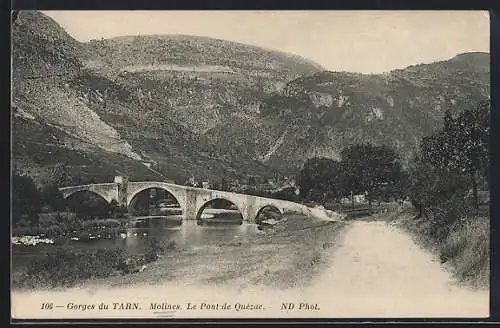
{"x":192,"y":200}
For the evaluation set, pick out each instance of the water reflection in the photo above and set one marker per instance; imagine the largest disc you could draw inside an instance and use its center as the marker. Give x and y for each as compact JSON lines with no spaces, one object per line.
{"x":137,"y":238}
{"x":189,"y":233}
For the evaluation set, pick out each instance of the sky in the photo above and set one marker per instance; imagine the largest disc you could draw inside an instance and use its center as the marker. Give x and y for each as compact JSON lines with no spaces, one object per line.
{"x":353,"y":41}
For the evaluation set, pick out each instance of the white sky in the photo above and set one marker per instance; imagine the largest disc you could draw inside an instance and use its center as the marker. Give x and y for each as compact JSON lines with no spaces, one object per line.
{"x":362,"y":41}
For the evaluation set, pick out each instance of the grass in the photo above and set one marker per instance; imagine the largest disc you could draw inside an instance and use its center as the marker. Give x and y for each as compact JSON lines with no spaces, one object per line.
{"x":68,"y":267}
{"x":65,"y":267}
{"x":467,"y":249}
{"x":464,"y":248}
{"x":59,"y":224}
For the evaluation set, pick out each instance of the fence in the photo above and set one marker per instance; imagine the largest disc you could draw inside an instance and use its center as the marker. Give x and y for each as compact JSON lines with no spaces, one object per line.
{"x":362,"y":210}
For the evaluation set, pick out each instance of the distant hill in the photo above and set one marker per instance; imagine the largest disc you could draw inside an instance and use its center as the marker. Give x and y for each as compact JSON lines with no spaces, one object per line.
{"x":195,"y":77}
{"x":318,"y":115}
{"x":142,"y":100}
{"x":167,"y":106}
{"x":42,"y":48}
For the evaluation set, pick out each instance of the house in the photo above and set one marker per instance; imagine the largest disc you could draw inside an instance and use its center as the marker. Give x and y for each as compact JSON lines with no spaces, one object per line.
{"x":191,"y":181}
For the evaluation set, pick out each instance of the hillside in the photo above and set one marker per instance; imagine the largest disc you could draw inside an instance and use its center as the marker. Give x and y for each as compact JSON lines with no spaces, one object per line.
{"x":139,"y":103}
{"x":176,"y":105}
{"x":320,"y":114}
{"x":193,"y":77}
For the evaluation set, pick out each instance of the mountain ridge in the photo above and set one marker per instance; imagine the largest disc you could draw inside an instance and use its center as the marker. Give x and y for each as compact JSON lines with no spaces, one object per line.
{"x":336,"y":108}
{"x":53,"y":84}
{"x":214,"y":108}
{"x":192,"y":36}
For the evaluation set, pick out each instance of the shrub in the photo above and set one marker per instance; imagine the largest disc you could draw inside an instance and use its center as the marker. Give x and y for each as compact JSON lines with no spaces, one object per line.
{"x":65,"y":267}
{"x":52,"y":197}
{"x":26,"y":199}
{"x":55,"y":224}
{"x":286,"y":194}
{"x":444,"y":216}
{"x":112,"y":223}
{"x":467,"y":247}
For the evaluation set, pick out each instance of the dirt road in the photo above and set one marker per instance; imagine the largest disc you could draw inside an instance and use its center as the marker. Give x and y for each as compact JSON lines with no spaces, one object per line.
{"x":369,"y":269}
{"x":379,"y":271}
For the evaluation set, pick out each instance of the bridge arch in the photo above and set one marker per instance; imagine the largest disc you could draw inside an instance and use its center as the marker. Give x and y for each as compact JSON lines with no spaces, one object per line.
{"x":267,"y":208}
{"x":221,"y":200}
{"x":104,"y":194}
{"x":88,"y":203}
{"x":132,"y":197}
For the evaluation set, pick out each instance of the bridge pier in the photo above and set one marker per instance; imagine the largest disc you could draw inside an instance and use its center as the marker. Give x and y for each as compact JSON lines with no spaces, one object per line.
{"x":249,"y":211}
{"x":122,"y":193}
{"x":190,"y":208}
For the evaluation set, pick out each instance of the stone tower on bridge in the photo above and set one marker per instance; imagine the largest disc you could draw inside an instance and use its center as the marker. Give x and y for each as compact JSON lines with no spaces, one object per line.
{"x":122,"y":185}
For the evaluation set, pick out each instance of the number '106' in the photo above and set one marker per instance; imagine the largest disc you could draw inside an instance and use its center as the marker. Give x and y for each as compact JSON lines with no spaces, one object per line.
{"x":47,"y":306}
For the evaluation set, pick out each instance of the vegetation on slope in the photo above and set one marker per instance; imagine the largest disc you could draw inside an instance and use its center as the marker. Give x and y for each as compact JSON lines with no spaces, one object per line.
{"x":39,"y":148}
{"x":42,"y":48}
{"x":262,"y":111}
{"x":189,"y":77}
{"x":328,"y":111}
{"x":58,"y":83}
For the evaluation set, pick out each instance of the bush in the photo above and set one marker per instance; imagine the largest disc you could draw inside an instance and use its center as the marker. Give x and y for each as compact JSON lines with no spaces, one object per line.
{"x":66,"y":267}
{"x":26,"y":199}
{"x":57,"y":224}
{"x":52,"y":197}
{"x":111,"y":223}
{"x":58,"y":218}
{"x":116,"y":210}
{"x":467,"y":247}
{"x":443,"y":217}
{"x":286,"y":194}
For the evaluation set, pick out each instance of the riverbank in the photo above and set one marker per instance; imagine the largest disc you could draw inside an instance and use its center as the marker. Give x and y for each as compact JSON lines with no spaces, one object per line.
{"x":283,"y":256}
{"x":63,"y":225}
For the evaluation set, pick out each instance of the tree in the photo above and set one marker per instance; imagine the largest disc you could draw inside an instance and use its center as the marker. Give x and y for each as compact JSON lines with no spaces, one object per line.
{"x":117,"y":211}
{"x":60,"y":175}
{"x":441,"y":149}
{"x":462,"y":145}
{"x":474,"y":143}
{"x":285,"y":194}
{"x":88,"y":205}
{"x":25,"y":199}
{"x":252,"y":181}
{"x":449,"y":162}
{"x":320,"y":179}
{"x":52,"y":197}
{"x":430,"y":185}
{"x":224,"y":185}
{"x":370,"y":169}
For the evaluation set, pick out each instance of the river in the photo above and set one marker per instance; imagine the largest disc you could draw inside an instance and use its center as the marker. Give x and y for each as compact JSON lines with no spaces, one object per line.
{"x":136,"y":240}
